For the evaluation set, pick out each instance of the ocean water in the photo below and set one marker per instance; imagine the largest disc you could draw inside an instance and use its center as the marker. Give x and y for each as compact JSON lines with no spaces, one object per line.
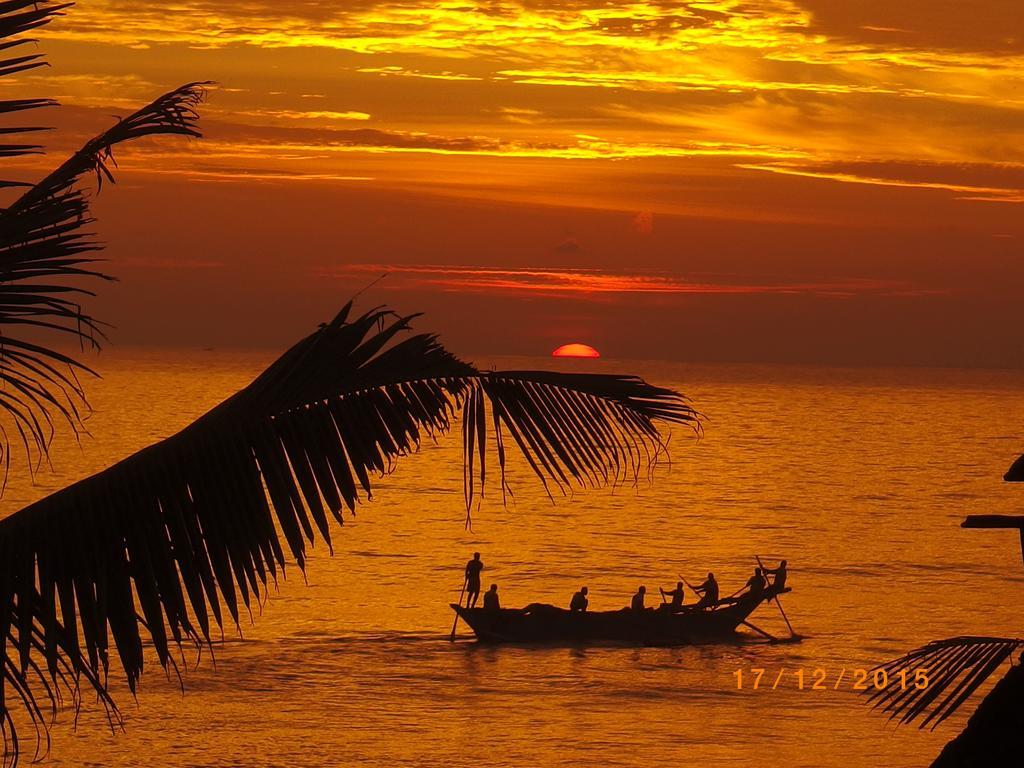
{"x":859,"y":477}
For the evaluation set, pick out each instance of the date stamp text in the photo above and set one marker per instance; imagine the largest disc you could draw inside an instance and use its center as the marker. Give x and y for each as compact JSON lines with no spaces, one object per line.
{"x":820,"y":679}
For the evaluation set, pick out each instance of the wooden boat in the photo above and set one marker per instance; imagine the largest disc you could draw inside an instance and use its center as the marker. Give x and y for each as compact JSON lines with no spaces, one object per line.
{"x":548,"y":624}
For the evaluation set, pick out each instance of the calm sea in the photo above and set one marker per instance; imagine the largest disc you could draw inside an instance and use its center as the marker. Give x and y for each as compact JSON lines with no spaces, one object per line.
{"x":859,"y":477}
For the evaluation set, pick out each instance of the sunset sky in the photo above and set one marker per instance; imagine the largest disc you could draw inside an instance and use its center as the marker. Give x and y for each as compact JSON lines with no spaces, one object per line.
{"x":835,"y":181}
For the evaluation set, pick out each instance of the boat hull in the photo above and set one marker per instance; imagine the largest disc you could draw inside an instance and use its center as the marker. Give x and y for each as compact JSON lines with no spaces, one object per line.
{"x":547,"y":624}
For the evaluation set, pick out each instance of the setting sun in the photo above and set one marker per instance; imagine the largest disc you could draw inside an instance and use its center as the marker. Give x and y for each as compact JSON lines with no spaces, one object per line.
{"x":575,"y":350}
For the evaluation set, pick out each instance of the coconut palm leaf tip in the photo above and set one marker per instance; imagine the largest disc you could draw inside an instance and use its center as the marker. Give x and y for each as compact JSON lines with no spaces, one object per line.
{"x":158,"y":545}
{"x":16,"y":18}
{"x":45,"y":253}
{"x":954,"y":669}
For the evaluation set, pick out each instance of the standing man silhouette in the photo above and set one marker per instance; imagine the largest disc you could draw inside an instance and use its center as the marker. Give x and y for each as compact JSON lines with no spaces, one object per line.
{"x":473,"y":568}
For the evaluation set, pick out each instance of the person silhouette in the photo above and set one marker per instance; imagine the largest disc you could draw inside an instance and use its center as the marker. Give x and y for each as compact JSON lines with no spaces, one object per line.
{"x":708,"y":592}
{"x":780,"y":573}
{"x":491,"y":602}
{"x":676,"y":594}
{"x":579,"y":601}
{"x":757,"y":584}
{"x":637,"y":603}
{"x":473,"y":568}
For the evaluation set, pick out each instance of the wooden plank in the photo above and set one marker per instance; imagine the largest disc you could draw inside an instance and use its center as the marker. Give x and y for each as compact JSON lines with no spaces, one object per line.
{"x":993,"y":521}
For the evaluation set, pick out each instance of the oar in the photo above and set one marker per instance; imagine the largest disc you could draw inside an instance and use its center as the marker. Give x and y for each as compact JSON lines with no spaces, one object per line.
{"x":692,"y":588}
{"x":777,"y":601}
{"x":663,"y":600}
{"x":456,"y":622}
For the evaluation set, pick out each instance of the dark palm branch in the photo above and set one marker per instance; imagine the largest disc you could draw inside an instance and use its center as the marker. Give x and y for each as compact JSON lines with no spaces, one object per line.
{"x":161,"y":544}
{"x":44,"y":255}
{"x":16,"y":18}
{"x":954,"y":669}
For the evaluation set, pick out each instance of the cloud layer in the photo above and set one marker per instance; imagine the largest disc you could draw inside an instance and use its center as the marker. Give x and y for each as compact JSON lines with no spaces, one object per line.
{"x":795,"y":161}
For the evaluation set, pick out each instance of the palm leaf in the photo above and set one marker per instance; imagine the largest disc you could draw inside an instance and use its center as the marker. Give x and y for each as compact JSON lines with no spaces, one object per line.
{"x":954,"y":668}
{"x":16,"y":18}
{"x":44,"y":256}
{"x":162,"y":544}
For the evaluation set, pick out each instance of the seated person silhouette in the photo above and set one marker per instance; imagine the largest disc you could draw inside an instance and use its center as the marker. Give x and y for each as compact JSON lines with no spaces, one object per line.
{"x":676,"y":595}
{"x":637,"y":603}
{"x":491,"y":599}
{"x":708,"y":592}
{"x":757,"y":584}
{"x":579,"y":601}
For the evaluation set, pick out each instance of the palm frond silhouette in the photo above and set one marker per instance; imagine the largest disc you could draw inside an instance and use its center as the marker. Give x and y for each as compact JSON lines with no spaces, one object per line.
{"x":955,"y":669}
{"x":47,"y":255}
{"x":161,"y":545}
{"x":180,"y":538}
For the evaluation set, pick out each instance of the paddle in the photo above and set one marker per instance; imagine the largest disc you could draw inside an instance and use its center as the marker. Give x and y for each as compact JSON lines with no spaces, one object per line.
{"x":777,"y":602}
{"x":692,"y":589}
{"x":455,"y":623}
{"x":721,"y":601}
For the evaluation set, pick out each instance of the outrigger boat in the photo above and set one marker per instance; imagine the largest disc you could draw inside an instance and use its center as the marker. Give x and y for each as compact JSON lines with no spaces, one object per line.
{"x":547,"y":624}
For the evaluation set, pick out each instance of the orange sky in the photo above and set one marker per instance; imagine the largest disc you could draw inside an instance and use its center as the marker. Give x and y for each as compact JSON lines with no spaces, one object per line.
{"x":770,"y":180}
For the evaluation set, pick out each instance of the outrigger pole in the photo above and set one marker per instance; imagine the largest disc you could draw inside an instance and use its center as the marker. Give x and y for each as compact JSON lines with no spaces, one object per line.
{"x":771,"y":638}
{"x":456,"y":622}
{"x":792,"y":634}
{"x":760,"y":631}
